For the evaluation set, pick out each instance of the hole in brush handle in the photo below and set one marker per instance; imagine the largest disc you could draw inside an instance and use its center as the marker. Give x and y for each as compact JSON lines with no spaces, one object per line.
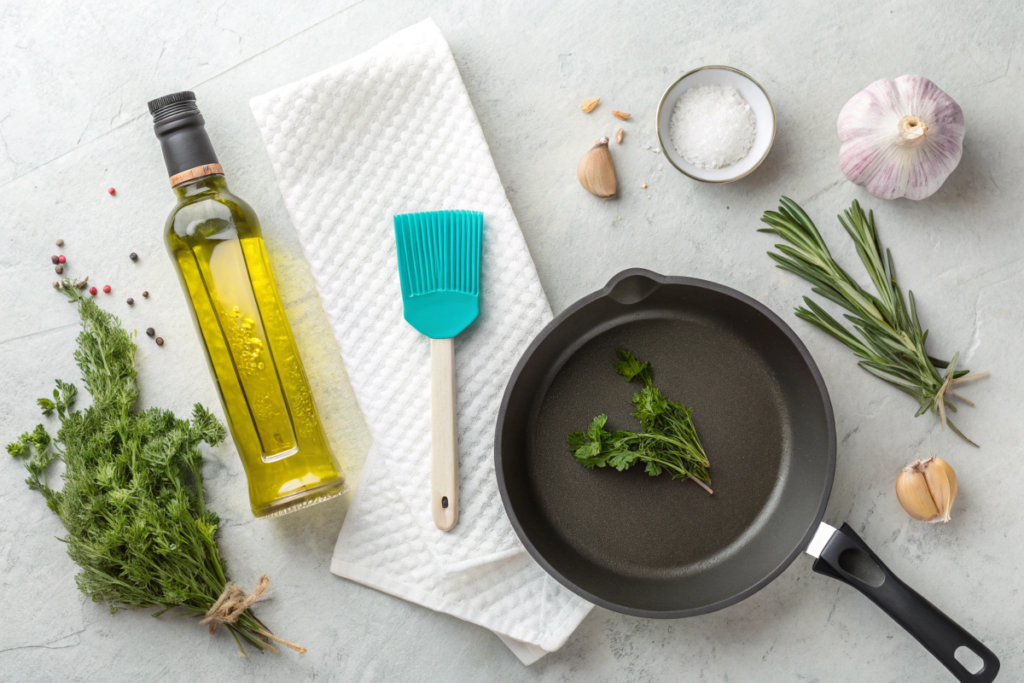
{"x":444,"y":502}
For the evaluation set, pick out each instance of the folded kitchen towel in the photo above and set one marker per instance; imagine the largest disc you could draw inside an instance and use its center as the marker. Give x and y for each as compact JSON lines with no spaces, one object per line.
{"x":393,"y":131}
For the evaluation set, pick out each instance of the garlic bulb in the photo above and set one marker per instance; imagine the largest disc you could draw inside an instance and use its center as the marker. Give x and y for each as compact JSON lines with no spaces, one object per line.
{"x":926,"y":489}
{"x":901,"y":138}
{"x":596,"y":171}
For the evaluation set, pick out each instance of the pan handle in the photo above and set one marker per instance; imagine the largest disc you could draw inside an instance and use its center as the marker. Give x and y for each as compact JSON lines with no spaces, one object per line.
{"x":846,"y":552}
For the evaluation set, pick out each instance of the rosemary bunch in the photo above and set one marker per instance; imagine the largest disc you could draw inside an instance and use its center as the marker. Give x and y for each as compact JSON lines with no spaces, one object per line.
{"x":889,"y":337}
{"x":668,"y":442}
{"x":132,"y":498}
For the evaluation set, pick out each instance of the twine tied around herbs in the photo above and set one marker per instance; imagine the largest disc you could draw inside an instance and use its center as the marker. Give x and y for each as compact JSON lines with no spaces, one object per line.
{"x":233,"y":602}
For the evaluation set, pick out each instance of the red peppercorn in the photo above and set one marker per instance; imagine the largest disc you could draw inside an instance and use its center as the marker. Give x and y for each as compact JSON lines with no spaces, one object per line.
{"x":61,"y":258}
{"x":112,"y":192}
{"x":106,"y":289}
{"x":93,"y":291}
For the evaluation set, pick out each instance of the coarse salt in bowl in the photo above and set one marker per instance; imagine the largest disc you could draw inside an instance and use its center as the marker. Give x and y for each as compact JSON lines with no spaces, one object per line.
{"x":754,"y":95}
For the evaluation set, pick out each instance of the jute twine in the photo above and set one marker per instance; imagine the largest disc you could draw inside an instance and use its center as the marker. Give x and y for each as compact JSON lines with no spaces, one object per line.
{"x":233,"y":602}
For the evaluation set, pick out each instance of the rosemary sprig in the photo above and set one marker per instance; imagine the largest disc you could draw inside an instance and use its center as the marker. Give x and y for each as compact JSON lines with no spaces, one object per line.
{"x":889,"y":337}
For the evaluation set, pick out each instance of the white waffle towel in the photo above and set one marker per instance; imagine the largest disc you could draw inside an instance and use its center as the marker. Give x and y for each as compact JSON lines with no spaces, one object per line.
{"x":393,"y":131}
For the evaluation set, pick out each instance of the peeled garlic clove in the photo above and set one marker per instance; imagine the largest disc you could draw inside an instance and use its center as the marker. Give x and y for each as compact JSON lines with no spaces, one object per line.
{"x":900,"y":137}
{"x":596,"y":171}
{"x":926,"y":489}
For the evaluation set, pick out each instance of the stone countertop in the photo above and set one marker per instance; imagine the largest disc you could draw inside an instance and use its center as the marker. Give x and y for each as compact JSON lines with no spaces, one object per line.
{"x":74,"y":81}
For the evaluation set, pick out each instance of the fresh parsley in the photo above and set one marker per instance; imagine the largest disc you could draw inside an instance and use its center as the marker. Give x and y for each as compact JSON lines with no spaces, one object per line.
{"x":668,"y":440}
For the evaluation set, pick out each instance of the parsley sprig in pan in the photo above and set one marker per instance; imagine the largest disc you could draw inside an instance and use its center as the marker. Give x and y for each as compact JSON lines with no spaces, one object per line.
{"x":668,"y":442}
{"x":132,"y":500}
{"x":889,"y":337}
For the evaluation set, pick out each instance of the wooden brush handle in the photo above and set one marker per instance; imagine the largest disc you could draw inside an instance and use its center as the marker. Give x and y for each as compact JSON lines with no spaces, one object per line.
{"x":444,"y":442}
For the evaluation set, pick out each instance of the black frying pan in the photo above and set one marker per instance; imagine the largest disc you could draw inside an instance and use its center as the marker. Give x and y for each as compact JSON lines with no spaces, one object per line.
{"x":654,"y":547}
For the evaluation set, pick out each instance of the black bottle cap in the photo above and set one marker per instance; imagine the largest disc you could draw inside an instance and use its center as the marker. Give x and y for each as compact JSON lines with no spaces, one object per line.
{"x":181,"y":130}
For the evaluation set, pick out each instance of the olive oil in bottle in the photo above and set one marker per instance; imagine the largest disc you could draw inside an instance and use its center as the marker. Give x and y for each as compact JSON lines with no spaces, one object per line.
{"x":215,"y":241}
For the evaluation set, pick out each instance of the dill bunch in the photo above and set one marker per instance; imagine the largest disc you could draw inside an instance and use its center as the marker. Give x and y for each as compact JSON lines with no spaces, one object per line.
{"x":890,"y":340}
{"x":668,"y":440}
{"x":132,"y":498}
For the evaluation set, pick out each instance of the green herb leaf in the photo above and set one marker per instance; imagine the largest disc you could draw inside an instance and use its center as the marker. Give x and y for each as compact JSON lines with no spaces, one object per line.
{"x":630,"y":368}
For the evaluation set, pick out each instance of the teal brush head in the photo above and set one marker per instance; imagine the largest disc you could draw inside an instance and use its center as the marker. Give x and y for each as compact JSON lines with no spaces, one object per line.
{"x":439,"y":265}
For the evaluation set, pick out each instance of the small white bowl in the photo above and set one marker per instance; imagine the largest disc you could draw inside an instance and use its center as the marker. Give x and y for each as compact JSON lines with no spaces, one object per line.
{"x":751,"y":91}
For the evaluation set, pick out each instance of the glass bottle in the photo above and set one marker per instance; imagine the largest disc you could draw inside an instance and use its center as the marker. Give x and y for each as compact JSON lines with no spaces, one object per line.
{"x":215,"y":242}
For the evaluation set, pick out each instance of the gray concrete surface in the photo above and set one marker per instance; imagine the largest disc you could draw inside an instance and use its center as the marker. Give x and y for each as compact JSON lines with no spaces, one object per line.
{"x":74,"y":79}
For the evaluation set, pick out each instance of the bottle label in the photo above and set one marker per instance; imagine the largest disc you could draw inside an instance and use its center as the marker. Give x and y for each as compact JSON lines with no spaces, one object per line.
{"x":197,"y":172}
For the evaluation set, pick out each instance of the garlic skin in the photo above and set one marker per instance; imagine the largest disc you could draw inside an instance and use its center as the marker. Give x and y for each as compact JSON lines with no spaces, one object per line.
{"x":926,"y":489}
{"x":596,"y":172}
{"x":900,"y":137}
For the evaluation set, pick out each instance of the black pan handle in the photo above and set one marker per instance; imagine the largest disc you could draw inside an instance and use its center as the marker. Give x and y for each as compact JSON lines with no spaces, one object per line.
{"x":939,"y":634}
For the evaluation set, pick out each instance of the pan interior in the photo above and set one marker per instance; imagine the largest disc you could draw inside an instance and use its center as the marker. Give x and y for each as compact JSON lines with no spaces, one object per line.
{"x":642,"y":526}
{"x":652,"y":545}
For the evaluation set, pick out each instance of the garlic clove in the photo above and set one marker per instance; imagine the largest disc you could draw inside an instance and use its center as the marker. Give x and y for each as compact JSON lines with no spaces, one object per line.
{"x":926,"y":489}
{"x":913,"y":494}
{"x":596,"y":172}
{"x":941,"y":480}
{"x":900,"y":137}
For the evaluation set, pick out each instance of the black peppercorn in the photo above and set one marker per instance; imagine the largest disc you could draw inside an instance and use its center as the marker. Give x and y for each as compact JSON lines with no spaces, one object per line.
{"x":59,"y":268}
{"x":131,"y":301}
{"x":145,"y":295}
{"x":150,"y":331}
{"x":133,"y":256}
{"x":159,"y":341}
{"x":60,"y":243}
{"x":55,"y":259}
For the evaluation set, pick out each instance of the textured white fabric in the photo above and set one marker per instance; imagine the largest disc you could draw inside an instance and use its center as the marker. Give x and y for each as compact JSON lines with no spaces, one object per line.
{"x":393,"y":131}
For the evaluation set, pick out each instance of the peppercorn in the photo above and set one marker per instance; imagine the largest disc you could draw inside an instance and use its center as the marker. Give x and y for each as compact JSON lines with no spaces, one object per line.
{"x":150,"y":331}
{"x":106,"y":289}
{"x":82,"y":283}
{"x":133,"y":256}
{"x":59,"y":268}
{"x":55,"y":259}
{"x":145,"y":295}
{"x":159,"y":341}
{"x":60,"y":243}
{"x":93,"y":291}
{"x":131,"y":301}
{"x":61,"y":258}
{"x":56,"y":284}
{"x":112,"y":192}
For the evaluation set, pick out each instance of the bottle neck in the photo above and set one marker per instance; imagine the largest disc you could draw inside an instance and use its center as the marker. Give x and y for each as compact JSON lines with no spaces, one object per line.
{"x":187,"y":150}
{"x":200,"y":186}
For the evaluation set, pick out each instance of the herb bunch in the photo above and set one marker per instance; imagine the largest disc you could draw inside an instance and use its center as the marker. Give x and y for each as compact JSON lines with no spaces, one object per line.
{"x":132,"y":500}
{"x":668,"y":440}
{"x":889,"y":339}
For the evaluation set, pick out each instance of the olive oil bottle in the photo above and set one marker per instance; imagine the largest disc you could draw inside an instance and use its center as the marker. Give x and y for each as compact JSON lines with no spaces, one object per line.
{"x":215,"y":241}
